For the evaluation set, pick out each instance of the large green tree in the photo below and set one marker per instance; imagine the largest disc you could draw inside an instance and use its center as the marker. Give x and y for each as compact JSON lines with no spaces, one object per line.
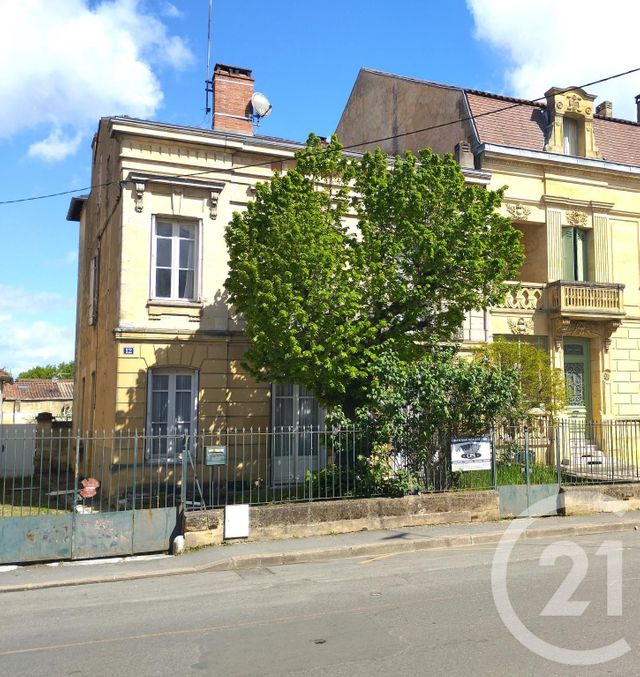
{"x":343,"y":259}
{"x":62,"y":370}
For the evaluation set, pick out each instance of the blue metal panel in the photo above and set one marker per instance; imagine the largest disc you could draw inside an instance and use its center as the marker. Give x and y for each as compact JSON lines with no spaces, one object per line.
{"x":154,"y":529}
{"x":104,"y":534}
{"x":35,"y":539}
{"x":516,"y":499}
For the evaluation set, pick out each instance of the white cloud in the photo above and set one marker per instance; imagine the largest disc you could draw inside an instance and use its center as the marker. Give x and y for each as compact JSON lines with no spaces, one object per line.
{"x":26,"y":345}
{"x":170,"y":10}
{"x":549,"y":43}
{"x":26,"y":339}
{"x":55,"y":147}
{"x":69,"y":62}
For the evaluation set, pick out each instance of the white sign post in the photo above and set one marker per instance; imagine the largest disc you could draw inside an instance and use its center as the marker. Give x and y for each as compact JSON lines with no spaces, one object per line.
{"x":471,"y":453}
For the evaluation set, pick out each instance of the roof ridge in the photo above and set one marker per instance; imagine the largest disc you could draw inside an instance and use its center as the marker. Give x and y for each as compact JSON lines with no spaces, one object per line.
{"x":504,"y":97}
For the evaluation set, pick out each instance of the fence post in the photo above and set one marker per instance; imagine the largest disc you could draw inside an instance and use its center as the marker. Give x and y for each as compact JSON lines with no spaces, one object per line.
{"x":556,"y":433}
{"x":185,"y":476}
{"x":135,"y":470}
{"x":494,"y":463}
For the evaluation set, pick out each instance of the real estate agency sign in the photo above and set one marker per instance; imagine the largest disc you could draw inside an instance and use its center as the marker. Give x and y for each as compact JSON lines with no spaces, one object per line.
{"x":471,"y":453}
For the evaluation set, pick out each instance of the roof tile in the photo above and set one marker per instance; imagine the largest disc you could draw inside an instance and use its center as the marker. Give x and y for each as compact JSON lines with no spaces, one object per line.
{"x":39,"y":389}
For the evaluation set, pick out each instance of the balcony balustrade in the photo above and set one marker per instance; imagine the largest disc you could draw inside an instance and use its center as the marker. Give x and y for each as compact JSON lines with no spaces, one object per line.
{"x":586,"y":300}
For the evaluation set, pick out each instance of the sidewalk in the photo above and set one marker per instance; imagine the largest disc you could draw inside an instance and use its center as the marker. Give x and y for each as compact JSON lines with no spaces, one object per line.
{"x":245,"y":555}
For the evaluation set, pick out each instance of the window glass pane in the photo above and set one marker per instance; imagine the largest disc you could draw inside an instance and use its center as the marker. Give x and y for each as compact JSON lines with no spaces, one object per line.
{"x":283,"y":389}
{"x":188,"y":232}
{"x":283,"y":412}
{"x":183,"y":407}
{"x":159,"y":444}
{"x":163,"y":283}
{"x":307,"y":411}
{"x":160,"y":382}
{"x":164,"y":229}
{"x":163,"y":252}
{"x":185,"y":286}
{"x":159,"y":407}
{"x":570,"y":133}
{"x":183,"y":382}
{"x":187,"y":250}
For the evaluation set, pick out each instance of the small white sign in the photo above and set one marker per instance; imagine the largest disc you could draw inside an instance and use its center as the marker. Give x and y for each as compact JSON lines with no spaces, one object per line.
{"x":471,"y":453}
{"x":236,"y":521}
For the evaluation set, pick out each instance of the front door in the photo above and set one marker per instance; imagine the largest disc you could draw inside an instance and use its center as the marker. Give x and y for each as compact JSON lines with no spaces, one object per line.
{"x":577,"y":377}
{"x":296,"y":438}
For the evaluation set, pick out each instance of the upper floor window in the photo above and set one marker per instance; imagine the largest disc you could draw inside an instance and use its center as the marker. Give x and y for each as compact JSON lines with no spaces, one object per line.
{"x":570,"y":134}
{"x":575,"y":257}
{"x":174,"y":266}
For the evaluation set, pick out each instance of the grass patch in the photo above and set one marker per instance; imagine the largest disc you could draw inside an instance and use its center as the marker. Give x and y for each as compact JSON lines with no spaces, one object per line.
{"x":507,"y":473}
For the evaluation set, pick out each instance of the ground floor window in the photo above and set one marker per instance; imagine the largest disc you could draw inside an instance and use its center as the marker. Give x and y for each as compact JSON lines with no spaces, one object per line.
{"x":171,"y":413}
{"x":297,"y":419}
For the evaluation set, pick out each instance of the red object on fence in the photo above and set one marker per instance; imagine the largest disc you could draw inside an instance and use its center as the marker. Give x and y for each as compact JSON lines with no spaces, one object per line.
{"x":90,"y":486}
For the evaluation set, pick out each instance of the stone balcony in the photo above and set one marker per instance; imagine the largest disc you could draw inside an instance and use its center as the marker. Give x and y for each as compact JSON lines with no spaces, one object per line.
{"x":586,"y":300}
{"x":527,"y":296}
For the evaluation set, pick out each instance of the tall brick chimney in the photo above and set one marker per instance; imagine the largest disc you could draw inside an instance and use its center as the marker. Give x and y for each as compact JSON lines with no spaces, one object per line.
{"x":232,"y":91}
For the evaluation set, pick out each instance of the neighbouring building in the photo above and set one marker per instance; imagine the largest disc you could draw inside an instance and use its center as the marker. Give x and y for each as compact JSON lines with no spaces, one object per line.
{"x":24,"y":399}
{"x":572,"y":174}
{"x":157,"y":345}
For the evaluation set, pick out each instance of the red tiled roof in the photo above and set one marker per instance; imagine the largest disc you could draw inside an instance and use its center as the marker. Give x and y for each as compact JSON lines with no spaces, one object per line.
{"x":5,"y":376}
{"x":505,"y":121}
{"x":39,"y":389}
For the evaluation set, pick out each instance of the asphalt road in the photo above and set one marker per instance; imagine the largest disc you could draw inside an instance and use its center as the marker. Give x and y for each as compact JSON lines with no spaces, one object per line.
{"x":426,"y":613}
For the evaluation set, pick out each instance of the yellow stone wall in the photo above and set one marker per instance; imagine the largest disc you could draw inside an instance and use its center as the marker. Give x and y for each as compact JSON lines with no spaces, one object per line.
{"x":204,"y":336}
{"x":542,"y":197}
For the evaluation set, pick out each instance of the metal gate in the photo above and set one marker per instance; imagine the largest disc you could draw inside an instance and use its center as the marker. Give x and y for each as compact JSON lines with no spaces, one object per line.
{"x":65,"y":497}
{"x":530,"y":482}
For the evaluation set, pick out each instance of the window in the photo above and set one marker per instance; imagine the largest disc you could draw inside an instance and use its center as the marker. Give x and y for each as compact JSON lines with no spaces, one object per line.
{"x":174,"y":257}
{"x":297,"y":443}
{"x":171,"y":413}
{"x":92,"y":314}
{"x":574,"y":254}
{"x":570,"y":135}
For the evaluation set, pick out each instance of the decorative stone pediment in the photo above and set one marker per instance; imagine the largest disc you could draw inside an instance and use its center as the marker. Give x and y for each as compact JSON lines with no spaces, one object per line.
{"x":584,"y":329}
{"x":576,"y":104}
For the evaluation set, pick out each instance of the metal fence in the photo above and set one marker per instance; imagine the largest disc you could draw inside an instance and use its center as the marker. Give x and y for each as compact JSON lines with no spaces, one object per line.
{"x":47,"y":473}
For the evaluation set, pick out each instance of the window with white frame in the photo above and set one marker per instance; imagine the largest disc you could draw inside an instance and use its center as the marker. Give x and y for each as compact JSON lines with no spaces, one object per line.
{"x":171,"y":413}
{"x":174,"y":265}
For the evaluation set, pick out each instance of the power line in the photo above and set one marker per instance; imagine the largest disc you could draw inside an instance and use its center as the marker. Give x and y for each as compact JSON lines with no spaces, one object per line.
{"x":523,"y":102}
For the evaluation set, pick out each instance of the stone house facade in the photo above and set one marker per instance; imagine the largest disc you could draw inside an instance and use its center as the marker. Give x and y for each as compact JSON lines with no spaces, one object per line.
{"x":572,"y":173}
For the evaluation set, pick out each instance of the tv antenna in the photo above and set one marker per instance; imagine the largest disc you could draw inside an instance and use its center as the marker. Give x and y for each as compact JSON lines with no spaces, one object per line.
{"x":208,"y":83}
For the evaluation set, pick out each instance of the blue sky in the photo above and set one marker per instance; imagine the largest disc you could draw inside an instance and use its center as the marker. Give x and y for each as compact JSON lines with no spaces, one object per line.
{"x":64,"y":64}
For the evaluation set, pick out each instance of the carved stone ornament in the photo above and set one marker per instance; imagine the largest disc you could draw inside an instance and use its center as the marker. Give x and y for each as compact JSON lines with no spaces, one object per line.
{"x":606,"y":375}
{"x":576,"y":218}
{"x":518,"y":211}
{"x":582,"y":328}
{"x":138,"y":195}
{"x":573,"y":103}
{"x":213,"y":203}
{"x":521,"y":326}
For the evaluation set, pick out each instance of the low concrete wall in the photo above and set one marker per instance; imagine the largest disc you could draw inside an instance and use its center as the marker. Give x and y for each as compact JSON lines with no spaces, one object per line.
{"x":591,"y":499}
{"x":294,"y":520}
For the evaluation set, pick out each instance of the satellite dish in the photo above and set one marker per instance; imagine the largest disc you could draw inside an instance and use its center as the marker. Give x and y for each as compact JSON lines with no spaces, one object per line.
{"x":261,"y":105}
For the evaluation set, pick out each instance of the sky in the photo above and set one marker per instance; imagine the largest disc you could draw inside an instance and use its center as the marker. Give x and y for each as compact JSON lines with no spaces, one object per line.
{"x":66,"y":63}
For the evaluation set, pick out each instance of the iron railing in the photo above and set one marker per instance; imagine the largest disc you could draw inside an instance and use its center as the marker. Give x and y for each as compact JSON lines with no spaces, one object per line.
{"x":44,"y":471}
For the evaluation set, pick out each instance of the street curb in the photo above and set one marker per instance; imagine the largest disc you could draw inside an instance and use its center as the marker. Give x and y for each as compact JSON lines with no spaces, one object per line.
{"x":257,"y":561}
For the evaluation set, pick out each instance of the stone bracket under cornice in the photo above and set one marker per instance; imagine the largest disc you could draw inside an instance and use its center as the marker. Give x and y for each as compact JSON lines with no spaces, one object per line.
{"x":141,"y":180}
